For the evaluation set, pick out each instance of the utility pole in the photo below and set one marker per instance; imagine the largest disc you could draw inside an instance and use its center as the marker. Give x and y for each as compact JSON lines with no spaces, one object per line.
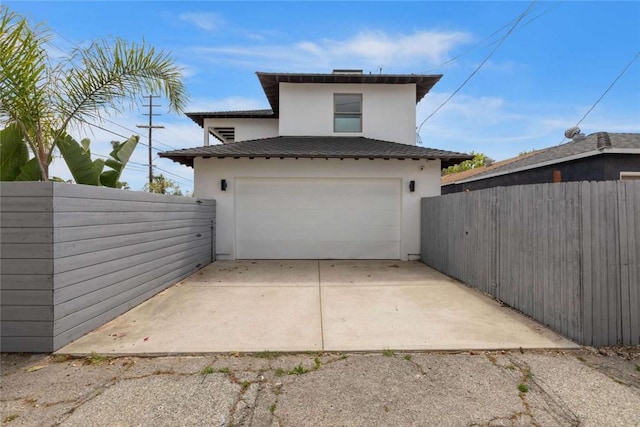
{"x":150,"y":126}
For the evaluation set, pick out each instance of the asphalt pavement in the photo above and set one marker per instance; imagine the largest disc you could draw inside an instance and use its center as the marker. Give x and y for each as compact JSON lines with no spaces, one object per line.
{"x":583,"y":387}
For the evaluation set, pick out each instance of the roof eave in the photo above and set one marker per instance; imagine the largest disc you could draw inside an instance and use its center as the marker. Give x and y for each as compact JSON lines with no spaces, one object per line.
{"x":188,"y":159}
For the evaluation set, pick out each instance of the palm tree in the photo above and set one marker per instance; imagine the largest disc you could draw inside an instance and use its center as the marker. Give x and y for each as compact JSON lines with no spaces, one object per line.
{"x":43,"y":98}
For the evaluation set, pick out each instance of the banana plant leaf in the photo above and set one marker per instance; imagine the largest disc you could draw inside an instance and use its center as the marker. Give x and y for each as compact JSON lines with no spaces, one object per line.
{"x":14,"y":154}
{"x":30,"y":171}
{"x":120,"y":157}
{"x":78,"y":159}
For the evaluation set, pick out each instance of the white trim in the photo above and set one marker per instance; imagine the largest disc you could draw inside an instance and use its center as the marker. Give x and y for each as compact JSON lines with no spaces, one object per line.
{"x":623,"y":150}
{"x":636,"y":175}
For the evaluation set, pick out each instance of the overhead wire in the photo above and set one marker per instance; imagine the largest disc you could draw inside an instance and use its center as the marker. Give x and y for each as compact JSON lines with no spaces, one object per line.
{"x":513,"y":27}
{"x":624,"y":70}
{"x":188,"y":180}
{"x":490,"y":36}
{"x":76,"y":45}
{"x":132,"y":165}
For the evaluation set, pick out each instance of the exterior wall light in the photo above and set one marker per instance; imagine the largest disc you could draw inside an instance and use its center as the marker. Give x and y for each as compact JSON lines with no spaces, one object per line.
{"x":223,"y":184}
{"x":412,"y":186}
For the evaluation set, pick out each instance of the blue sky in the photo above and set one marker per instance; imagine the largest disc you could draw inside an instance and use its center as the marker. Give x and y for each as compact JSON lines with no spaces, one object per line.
{"x":541,"y":80}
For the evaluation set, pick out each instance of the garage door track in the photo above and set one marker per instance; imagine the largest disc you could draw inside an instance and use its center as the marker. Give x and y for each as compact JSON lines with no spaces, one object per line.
{"x":311,"y":305}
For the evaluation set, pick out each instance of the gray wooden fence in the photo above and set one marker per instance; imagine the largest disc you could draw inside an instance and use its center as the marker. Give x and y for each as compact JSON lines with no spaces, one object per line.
{"x":565,"y":254}
{"x":74,"y":257}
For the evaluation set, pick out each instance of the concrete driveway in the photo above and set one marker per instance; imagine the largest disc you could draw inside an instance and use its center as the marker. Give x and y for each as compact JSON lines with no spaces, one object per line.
{"x":309,"y":305}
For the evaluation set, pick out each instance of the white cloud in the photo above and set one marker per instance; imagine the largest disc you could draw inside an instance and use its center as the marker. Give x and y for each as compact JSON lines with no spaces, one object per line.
{"x":372,"y":49}
{"x":204,"y":21}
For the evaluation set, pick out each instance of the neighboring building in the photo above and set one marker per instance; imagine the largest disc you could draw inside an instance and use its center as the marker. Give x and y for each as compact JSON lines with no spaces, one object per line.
{"x":600,"y":156}
{"x":331,"y":171}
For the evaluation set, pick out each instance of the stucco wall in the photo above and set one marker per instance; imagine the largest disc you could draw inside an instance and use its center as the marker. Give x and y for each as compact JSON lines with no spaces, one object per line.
{"x":388,"y":111}
{"x":209,"y":172}
{"x":245,"y":129}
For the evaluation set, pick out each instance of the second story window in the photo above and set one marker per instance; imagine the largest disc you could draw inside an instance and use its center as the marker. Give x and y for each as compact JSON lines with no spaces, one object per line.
{"x":347,"y":112}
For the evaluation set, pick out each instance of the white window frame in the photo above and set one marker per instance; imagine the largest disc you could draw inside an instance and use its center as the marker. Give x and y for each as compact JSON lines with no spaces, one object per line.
{"x":335,"y":113}
{"x":629,"y":176}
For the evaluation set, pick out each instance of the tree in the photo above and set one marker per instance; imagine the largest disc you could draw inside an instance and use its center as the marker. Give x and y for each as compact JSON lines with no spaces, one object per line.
{"x":478,"y":160}
{"x":162,"y":185}
{"x":42,"y":98}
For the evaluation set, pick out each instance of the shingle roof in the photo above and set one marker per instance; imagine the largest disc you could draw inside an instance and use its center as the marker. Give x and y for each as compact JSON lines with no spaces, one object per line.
{"x":199,"y":117}
{"x":586,"y":147}
{"x":316,"y":147}
{"x":455,"y":177}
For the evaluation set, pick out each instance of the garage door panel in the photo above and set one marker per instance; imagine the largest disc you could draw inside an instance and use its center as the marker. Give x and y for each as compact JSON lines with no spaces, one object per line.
{"x":295,"y":232}
{"x":302,"y":186}
{"x":272,"y":217}
{"x":317,"y":218}
{"x":312,"y":201}
{"x":258,"y":249}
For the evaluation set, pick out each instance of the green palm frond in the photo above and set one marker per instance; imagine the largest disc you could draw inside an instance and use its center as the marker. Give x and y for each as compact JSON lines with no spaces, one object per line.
{"x":42,"y":99}
{"x":23,"y":74}
{"x":112,"y":75}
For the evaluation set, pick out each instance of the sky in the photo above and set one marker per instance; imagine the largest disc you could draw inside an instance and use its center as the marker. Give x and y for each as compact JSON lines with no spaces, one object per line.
{"x":527,"y":79}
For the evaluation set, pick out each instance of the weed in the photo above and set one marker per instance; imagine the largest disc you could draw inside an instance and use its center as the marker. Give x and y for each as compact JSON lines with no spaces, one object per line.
{"x":59,"y":358}
{"x":407,"y":357}
{"x":526,"y":374}
{"x":268,"y":354}
{"x":96,"y":359}
{"x":580,"y":358}
{"x":279,"y":372}
{"x":387,"y":352}
{"x":272,"y":408}
{"x":317,"y":363}
{"x":523,"y":387}
{"x":245,"y":384}
{"x":298,"y":370}
{"x":511,"y":367}
{"x":386,"y":408}
{"x":343,"y":356}
{"x":9,"y":418}
{"x":223,"y":371}
{"x":206,"y":371}
{"x":638,"y":368}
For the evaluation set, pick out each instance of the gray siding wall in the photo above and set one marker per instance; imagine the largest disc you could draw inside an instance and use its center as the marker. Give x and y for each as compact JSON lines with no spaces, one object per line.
{"x":26,"y":266}
{"x":566,"y":254}
{"x":108,"y":250}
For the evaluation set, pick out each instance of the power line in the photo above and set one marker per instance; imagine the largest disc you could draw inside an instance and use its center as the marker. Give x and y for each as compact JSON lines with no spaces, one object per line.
{"x":513,"y":27}
{"x":137,"y":133}
{"x":624,"y":70}
{"x":487,"y":38}
{"x":187,"y":180}
{"x":112,"y":132}
{"x":71,"y":57}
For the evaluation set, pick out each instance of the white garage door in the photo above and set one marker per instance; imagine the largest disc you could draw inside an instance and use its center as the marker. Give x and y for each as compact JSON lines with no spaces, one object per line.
{"x":306,"y":218}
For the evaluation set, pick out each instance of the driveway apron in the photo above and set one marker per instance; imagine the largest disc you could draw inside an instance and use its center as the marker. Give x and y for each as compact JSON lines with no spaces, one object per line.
{"x":311,"y":305}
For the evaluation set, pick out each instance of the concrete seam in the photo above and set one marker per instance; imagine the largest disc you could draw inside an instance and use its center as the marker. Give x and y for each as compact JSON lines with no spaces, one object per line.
{"x":320,"y":301}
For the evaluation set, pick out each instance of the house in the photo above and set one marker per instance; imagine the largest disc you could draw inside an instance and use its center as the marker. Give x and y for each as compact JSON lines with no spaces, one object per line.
{"x":600,"y":156}
{"x":331,"y":171}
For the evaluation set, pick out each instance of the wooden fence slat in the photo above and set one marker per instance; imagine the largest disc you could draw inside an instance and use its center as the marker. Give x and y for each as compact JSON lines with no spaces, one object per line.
{"x":567,"y":254}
